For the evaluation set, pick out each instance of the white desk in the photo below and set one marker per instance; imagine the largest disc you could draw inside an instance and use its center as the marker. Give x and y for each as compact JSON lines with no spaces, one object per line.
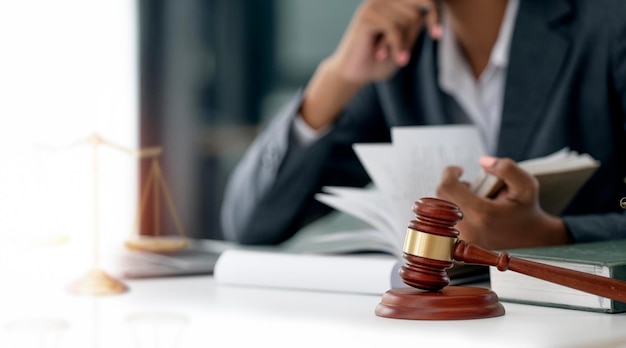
{"x":35,"y":311}
{"x":195,"y":312}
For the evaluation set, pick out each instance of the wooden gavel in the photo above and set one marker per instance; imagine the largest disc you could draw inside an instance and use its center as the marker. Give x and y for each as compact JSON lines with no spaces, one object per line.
{"x":432,"y":245}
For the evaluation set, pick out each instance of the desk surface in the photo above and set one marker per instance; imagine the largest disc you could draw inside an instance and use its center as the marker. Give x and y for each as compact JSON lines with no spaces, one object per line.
{"x":35,"y":311}
{"x":195,"y":312}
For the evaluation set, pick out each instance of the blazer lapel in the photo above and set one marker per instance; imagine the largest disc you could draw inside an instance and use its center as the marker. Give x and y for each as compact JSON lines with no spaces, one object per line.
{"x":536,"y":56}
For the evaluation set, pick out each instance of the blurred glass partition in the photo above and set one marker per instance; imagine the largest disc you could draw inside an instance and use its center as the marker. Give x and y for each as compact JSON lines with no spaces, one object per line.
{"x":213,"y":72}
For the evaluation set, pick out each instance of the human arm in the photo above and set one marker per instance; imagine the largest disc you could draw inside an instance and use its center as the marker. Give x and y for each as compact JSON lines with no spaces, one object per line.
{"x":255,"y":173}
{"x":270,"y":195}
{"x":376,"y":44}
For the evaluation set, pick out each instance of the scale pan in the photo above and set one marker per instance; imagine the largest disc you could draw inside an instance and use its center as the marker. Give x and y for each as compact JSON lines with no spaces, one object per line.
{"x":158,"y":244}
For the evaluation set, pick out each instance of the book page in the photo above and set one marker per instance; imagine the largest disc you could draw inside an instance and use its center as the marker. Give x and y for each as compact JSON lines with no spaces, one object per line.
{"x":404,"y":171}
{"x":516,"y":287}
{"x":365,"y":205}
{"x":425,"y":152}
{"x":380,"y":162}
{"x":345,"y":242}
{"x":551,"y":164}
{"x":384,"y":210}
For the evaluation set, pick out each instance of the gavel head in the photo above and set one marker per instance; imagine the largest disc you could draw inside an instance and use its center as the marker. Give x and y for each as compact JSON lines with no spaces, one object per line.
{"x":429,"y":244}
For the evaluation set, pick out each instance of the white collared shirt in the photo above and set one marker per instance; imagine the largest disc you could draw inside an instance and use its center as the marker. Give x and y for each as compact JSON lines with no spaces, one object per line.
{"x":481,"y":99}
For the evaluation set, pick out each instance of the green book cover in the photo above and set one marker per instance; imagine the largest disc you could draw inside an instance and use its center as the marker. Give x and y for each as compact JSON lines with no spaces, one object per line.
{"x":606,"y":254}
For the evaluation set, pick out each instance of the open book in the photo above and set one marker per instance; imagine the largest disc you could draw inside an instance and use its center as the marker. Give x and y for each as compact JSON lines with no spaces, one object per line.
{"x":560,"y":176}
{"x":339,"y":257}
{"x":403,"y":171}
{"x":410,"y":167}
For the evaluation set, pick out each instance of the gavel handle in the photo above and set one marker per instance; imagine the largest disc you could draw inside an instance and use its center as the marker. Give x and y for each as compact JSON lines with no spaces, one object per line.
{"x":593,"y":284}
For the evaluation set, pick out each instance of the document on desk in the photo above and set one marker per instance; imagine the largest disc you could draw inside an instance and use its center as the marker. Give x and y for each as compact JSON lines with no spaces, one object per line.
{"x":362,"y":273}
{"x":357,"y":274}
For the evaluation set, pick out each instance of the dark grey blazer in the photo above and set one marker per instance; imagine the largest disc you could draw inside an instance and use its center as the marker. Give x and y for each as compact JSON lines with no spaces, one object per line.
{"x":566,"y":86}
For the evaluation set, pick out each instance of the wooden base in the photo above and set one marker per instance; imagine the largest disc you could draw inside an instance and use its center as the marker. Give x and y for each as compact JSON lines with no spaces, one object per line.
{"x":451,"y":303}
{"x":97,"y":283}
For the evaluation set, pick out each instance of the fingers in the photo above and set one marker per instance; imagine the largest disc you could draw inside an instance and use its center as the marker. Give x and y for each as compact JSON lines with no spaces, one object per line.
{"x":452,"y":189}
{"x":520,"y":185}
{"x":398,"y":24}
{"x":432,"y":15}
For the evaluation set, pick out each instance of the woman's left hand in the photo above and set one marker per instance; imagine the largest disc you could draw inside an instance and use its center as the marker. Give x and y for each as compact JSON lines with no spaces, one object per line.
{"x":512,"y":219}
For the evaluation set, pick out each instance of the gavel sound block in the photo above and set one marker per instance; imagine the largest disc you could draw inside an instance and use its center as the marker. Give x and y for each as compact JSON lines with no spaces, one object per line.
{"x":431,"y":246}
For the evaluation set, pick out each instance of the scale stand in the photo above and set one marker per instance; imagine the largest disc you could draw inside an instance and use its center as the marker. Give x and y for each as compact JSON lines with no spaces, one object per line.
{"x":96,"y":282}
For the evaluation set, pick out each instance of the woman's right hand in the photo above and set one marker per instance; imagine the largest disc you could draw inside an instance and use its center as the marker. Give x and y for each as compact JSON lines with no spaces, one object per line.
{"x":378,"y":42}
{"x":380,"y":38}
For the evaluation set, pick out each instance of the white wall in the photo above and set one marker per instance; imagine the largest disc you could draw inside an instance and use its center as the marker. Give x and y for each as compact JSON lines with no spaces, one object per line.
{"x":68,"y":68}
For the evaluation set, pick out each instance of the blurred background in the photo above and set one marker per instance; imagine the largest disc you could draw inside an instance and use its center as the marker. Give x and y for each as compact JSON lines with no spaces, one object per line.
{"x":212,"y":73}
{"x":198,"y":78}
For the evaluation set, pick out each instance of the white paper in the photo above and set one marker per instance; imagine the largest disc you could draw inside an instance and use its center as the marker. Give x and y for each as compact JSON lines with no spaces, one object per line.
{"x":425,"y":152}
{"x":379,"y":160}
{"x":362,"y":274}
{"x":368,"y":205}
{"x":403,"y":171}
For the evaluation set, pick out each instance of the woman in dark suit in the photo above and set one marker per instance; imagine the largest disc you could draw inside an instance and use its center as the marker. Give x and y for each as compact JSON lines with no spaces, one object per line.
{"x":534,"y":76}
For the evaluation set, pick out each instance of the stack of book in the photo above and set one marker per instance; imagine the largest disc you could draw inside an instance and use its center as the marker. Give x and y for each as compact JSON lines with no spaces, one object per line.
{"x":606,"y":259}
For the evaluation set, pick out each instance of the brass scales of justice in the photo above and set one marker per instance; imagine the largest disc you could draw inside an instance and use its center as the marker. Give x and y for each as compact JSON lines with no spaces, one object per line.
{"x":96,"y":281}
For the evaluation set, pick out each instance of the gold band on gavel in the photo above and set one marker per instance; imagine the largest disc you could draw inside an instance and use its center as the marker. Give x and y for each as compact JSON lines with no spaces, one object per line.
{"x":430,"y":246}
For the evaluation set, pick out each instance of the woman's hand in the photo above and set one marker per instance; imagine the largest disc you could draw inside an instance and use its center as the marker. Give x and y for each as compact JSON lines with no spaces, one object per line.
{"x":378,"y":41}
{"x":380,"y":38}
{"x":512,"y":219}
